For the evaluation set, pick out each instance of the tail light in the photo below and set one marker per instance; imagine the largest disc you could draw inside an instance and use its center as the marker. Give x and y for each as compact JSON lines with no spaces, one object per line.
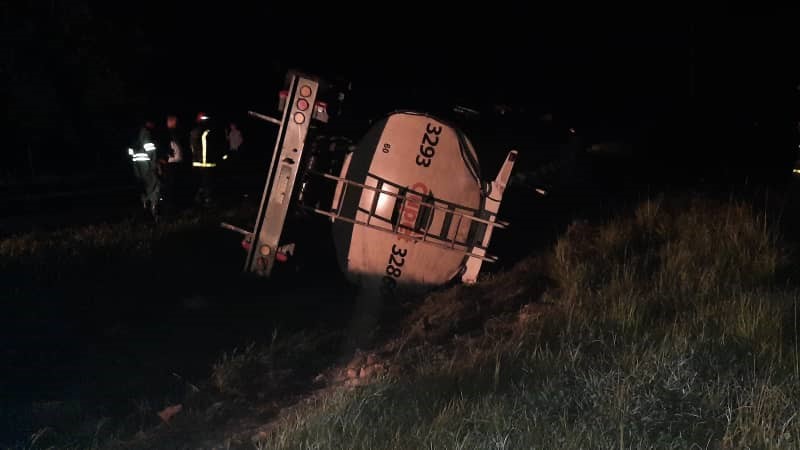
{"x":302,"y":104}
{"x":282,"y":100}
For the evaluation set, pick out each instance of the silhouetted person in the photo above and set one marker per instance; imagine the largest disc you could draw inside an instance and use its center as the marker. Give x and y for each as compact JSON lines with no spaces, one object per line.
{"x":143,"y":155}
{"x":177,"y":168}
{"x":207,"y":143}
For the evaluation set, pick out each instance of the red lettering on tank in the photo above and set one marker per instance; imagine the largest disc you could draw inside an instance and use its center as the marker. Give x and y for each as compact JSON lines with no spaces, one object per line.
{"x":411,"y":211}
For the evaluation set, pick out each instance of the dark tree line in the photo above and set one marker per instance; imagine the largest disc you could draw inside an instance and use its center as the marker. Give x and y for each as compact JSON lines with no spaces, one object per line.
{"x":68,"y":83}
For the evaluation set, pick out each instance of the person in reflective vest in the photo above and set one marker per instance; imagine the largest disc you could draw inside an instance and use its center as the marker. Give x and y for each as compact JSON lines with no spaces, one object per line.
{"x":207,"y":143}
{"x":143,"y":157}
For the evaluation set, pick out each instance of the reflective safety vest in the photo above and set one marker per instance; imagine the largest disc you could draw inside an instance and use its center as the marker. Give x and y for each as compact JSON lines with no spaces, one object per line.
{"x":145,"y":147}
{"x":202,"y":151}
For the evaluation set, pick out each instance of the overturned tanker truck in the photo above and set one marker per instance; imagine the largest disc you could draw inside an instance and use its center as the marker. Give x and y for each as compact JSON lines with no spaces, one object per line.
{"x":406,"y":206}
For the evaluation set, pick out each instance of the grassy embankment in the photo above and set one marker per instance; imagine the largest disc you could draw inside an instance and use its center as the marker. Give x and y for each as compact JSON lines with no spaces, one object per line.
{"x":676,"y":327}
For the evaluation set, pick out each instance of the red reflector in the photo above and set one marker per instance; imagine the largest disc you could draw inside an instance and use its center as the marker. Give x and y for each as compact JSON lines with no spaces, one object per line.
{"x":284,"y":94}
{"x":302,"y":104}
{"x":321,"y":106}
{"x":281,"y":257}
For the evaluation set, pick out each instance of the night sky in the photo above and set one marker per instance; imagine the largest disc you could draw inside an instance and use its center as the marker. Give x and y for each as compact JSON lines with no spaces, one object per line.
{"x":78,"y":76}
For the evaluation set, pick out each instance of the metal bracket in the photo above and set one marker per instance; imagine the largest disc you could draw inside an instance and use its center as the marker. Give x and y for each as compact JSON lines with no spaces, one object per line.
{"x":492,"y":205}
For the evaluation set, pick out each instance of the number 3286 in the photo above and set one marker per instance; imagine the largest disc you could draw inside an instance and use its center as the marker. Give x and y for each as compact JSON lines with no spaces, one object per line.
{"x":393,"y":269}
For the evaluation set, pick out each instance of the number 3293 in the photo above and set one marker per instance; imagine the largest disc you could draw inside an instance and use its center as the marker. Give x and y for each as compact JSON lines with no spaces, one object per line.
{"x":427,"y":149}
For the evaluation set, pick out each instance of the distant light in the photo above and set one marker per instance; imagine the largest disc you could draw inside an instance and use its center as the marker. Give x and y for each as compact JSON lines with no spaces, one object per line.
{"x":541,"y":191}
{"x":305,"y":90}
{"x":224,"y":157}
{"x":204,"y":117}
{"x":572,"y":130}
{"x":299,"y":118}
{"x":130,"y":151}
{"x":796,"y":171}
{"x":464,"y":109}
{"x":149,"y":147}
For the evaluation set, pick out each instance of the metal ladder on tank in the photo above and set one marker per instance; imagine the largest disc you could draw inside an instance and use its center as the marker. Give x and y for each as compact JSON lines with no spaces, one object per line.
{"x":474,"y":246}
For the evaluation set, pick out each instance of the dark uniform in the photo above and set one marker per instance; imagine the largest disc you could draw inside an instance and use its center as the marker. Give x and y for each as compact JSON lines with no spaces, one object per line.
{"x":178,"y":163}
{"x":208,"y":144}
{"x":145,"y":166}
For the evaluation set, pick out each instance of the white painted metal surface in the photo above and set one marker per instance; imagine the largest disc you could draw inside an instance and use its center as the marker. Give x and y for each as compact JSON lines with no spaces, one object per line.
{"x":422,"y":215}
{"x":281,"y":176}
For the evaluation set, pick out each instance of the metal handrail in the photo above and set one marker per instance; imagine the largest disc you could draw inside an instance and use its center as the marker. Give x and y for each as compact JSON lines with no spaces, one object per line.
{"x":335,"y":216}
{"x":498,"y":224}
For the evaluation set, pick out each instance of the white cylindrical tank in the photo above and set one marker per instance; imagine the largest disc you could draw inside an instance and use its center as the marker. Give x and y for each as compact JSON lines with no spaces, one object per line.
{"x":427,"y":161}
